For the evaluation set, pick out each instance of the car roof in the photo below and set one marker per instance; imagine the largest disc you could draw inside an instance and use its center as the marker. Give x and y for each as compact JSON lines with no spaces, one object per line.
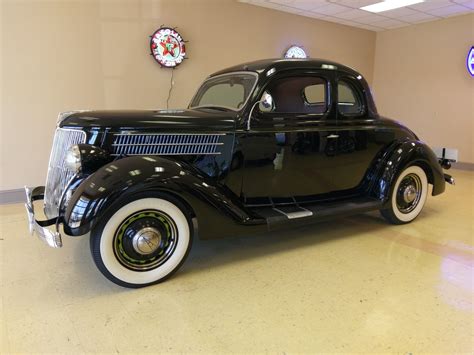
{"x":279,"y":64}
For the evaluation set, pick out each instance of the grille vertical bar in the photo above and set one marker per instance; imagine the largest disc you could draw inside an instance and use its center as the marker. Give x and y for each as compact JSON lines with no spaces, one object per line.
{"x":58,"y":174}
{"x":166,"y":144}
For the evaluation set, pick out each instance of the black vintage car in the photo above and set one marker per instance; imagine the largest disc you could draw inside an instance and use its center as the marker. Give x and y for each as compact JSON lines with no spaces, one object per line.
{"x":263,"y":145}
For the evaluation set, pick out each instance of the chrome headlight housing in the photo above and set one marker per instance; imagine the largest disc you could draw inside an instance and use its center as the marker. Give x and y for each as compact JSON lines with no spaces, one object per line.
{"x":73,"y":158}
{"x":86,"y":158}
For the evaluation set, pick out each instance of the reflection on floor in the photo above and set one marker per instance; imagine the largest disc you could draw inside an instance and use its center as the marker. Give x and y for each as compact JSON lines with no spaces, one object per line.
{"x":356,"y":285}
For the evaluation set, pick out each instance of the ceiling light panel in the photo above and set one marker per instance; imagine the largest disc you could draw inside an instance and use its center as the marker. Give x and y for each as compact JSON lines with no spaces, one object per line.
{"x":389,"y":5}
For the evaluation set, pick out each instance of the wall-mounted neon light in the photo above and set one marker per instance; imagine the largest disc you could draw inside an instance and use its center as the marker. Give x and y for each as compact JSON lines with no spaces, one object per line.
{"x":470,"y":61}
{"x":295,"y":52}
{"x":167,"y":47}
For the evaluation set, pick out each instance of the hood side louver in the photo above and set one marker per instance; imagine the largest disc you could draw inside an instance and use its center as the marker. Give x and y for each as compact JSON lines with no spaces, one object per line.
{"x":166,"y":144}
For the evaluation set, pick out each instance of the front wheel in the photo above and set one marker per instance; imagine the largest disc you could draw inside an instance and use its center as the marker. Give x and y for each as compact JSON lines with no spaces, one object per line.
{"x":408,"y":196}
{"x":142,"y":242}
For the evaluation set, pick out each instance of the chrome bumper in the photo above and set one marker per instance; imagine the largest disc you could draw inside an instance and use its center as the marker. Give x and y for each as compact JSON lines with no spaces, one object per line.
{"x":52,"y":238}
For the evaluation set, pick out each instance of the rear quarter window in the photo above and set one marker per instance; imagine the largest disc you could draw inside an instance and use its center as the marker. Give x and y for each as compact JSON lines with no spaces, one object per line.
{"x":350,"y":101}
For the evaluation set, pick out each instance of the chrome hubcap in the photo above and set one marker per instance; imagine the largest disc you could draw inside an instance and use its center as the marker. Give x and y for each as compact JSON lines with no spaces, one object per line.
{"x":146,"y":241}
{"x":409,"y":194}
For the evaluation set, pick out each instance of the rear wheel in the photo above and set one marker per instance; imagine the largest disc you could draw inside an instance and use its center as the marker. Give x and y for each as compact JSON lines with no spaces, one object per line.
{"x":142,"y":242}
{"x":408,"y":196}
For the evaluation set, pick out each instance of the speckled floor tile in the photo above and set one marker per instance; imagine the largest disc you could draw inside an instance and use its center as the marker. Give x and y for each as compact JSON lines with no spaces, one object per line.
{"x":352,"y":285}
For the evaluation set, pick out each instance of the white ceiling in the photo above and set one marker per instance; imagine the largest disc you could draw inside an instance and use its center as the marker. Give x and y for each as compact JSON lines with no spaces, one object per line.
{"x":347,"y":12}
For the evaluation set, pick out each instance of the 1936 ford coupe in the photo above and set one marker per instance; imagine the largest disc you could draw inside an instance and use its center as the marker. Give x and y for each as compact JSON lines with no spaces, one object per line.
{"x":263,"y":145}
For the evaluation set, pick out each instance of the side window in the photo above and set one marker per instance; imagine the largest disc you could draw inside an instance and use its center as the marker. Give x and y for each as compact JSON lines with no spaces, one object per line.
{"x":349,"y":99}
{"x":298,"y":94}
{"x":315,"y":94}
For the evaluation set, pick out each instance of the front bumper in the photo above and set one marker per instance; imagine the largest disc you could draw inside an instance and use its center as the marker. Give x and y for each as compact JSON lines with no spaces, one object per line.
{"x":52,"y":238}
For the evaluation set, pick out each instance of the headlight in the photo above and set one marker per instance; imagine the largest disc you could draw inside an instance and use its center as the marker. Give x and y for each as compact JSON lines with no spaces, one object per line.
{"x":86,"y":158}
{"x":73,"y":158}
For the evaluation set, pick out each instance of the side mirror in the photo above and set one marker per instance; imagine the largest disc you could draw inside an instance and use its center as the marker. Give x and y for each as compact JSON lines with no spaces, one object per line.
{"x":267,"y":101}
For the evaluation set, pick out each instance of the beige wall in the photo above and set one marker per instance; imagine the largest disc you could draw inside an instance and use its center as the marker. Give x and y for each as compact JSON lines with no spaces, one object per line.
{"x":64,"y":54}
{"x":59,"y":55}
{"x":420,"y":78}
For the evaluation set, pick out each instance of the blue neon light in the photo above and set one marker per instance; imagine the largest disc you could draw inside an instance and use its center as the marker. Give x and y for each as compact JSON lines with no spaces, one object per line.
{"x":470,"y":61}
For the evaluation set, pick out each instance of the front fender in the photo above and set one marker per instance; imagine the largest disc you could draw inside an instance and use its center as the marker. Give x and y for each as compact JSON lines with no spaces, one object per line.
{"x":214,"y":205}
{"x":403,"y":154}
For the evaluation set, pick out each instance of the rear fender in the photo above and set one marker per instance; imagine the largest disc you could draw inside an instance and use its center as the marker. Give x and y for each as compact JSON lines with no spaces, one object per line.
{"x":216,"y":208}
{"x":402,"y":155}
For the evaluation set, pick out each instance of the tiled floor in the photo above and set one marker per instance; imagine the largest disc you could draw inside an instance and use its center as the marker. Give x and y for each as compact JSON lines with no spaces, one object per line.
{"x":355,"y":284}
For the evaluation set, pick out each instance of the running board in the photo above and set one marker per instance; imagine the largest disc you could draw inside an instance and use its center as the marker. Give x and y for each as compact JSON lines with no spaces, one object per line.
{"x":289,"y":216}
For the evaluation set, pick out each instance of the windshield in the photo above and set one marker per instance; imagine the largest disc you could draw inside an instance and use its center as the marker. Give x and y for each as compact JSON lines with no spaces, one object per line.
{"x":228,"y":91}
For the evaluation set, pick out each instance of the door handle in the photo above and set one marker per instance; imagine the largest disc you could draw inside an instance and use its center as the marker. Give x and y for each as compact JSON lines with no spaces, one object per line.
{"x":333,"y":136}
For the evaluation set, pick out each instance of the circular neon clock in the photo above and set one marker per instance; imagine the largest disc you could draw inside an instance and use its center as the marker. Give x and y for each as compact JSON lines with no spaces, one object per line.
{"x":295,"y":52}
{"x":167,"y":47}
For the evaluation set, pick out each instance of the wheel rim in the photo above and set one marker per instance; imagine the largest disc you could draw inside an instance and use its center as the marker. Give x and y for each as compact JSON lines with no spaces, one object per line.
{"x":409,"y":193}
{"x":145,"y":240}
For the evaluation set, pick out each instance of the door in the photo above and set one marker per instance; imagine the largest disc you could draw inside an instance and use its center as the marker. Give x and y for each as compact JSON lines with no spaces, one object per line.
{"x":289,"y":152}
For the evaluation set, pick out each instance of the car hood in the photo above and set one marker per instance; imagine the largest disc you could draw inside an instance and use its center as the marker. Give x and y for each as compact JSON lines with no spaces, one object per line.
{"x":168,"y":120}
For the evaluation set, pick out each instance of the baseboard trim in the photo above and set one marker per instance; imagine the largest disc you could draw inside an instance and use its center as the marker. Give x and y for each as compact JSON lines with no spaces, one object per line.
{"x":18,"y":195}
{"x":12,"y":196}
{"x":463,"y":166}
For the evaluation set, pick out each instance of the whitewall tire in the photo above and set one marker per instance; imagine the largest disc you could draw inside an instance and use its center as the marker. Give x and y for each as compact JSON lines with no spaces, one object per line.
{"x":408,"y":196}
{"x":142,"y":241}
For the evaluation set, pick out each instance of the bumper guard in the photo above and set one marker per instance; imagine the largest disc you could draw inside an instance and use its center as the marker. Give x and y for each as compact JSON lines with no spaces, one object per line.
{"x":449,"y":179}
{"x":52,"y":238}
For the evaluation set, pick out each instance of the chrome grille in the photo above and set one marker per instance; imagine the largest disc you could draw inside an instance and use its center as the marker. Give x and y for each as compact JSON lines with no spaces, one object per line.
{"x":58,"y":174}
{"x":166,"y":144}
